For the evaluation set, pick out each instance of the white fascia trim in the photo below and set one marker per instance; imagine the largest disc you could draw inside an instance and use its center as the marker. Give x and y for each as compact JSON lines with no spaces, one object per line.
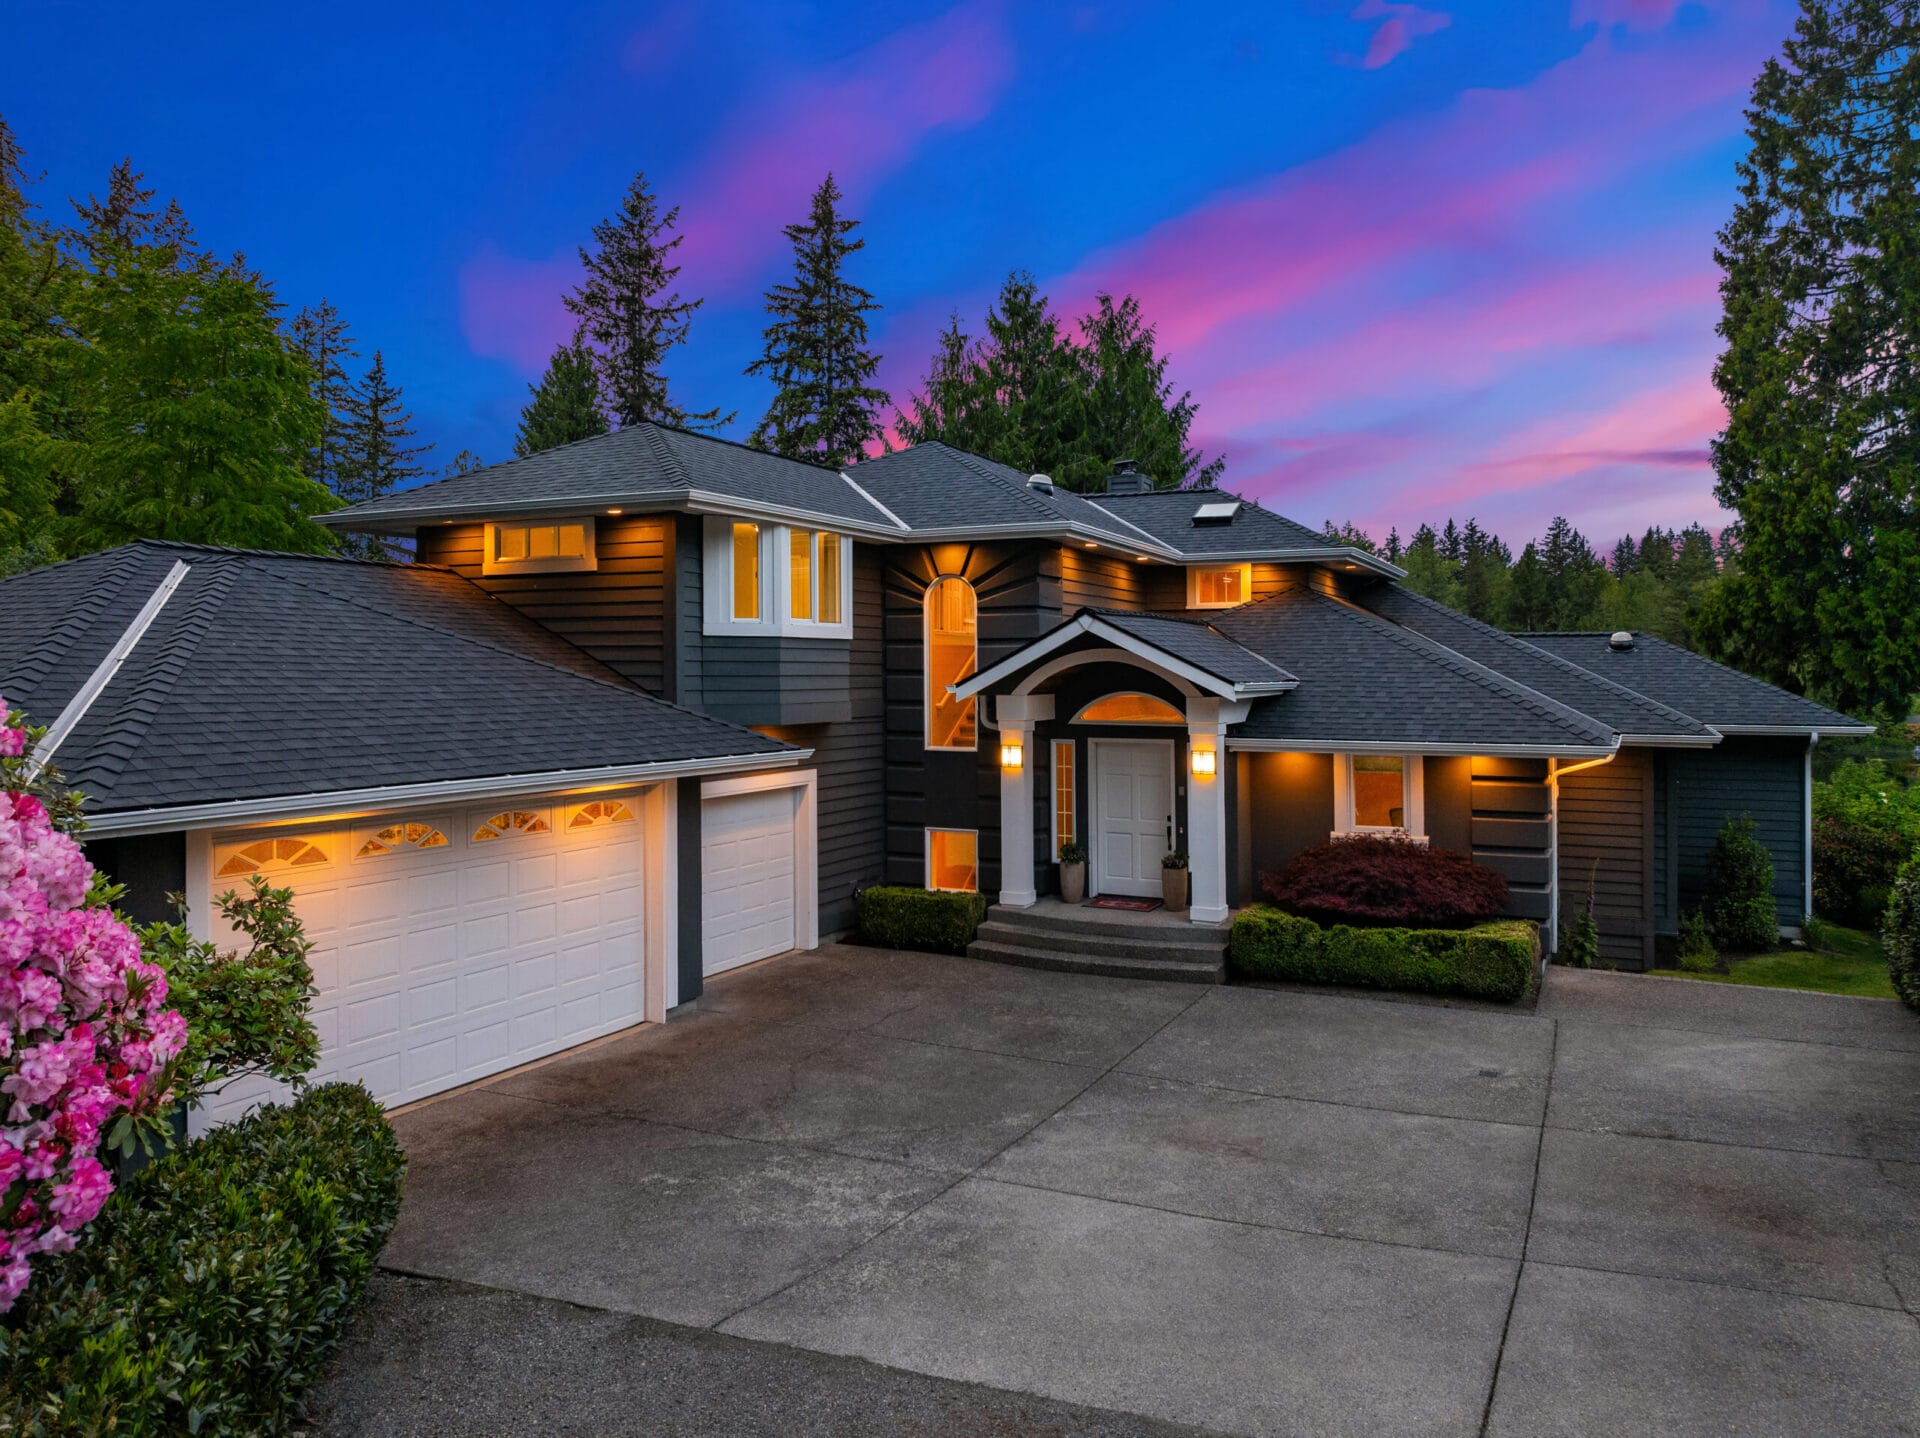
{"x":695,"y":501}
{"x":700,"y":501}
{"x":1411,"y":746}
{"x":1802,"y":731}
{"x":1358,"y":557}
{"x":76,"y":708}
{"x":1063,"y":530}
{"x":1120,"y":639}
{"x":399,"y":796}
{"x":898,"y":522}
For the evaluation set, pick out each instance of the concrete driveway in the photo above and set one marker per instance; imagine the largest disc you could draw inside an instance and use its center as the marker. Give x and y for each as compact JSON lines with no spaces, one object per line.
{"x":1647,"y":1206}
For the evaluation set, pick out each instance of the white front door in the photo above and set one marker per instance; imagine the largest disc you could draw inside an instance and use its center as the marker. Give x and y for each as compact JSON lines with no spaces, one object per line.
{"x":1132,"y":814}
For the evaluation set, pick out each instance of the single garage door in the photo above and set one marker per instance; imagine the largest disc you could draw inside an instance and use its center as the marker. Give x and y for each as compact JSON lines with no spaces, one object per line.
{"x":452,"y":944}
{"x":747,"y":898}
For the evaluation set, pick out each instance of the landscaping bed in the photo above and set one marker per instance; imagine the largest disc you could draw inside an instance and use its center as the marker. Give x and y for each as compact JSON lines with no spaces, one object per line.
{"x":1495,"y":960}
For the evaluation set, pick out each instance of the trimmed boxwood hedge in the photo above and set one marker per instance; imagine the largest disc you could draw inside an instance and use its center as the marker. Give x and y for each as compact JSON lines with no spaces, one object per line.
{"x":1489,"y":961}
{"x":896,"y":916}
{"x":212,"y":1289}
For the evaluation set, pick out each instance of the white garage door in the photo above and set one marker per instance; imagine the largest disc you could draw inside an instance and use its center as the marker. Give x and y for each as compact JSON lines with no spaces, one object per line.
{"x":452,"y":944}
{"x":747,"y":877}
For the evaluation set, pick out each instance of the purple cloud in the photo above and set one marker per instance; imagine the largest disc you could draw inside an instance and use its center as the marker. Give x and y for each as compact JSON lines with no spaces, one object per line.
{"x":1400,"y":25}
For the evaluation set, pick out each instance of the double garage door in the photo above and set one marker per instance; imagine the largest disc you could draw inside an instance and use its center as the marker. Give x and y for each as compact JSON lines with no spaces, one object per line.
{"x":450,"y":944}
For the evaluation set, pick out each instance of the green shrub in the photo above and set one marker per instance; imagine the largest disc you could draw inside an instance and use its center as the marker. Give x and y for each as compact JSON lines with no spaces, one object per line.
{"x":1491,"y":961}
{"x":211,"y":1290}
{"x":895,"y":916}
{"x":1866,"y":793}
{"x":1580,"y":934}
{"x":1695,"y":952}
{"x":1740,"y":890}
{"x":1901,"y":935}
{"x":1853,"y":869}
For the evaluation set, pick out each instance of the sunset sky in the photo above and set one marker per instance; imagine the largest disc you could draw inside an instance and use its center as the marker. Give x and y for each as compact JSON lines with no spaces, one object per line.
{"x":1413,"y":261}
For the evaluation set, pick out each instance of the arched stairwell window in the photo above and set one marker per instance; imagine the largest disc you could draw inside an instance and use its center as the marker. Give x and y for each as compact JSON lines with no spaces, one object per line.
{"x":952,"y":654}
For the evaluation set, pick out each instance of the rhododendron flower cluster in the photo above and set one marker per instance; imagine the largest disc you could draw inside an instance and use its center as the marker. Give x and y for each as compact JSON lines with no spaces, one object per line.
{"x":84,"y":1032}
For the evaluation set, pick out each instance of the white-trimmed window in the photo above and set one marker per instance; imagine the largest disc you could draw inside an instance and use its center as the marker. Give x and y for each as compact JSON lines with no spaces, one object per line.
{"x":1379,"y":794}
{"x":1066,"y":791}
{"x":777,"y":579}
{"x":953,"y":860}
{"x":538,"y":546}
{"x":1218,"y":586}
{"x":1129,"y":708}
{"x":952,"y":653}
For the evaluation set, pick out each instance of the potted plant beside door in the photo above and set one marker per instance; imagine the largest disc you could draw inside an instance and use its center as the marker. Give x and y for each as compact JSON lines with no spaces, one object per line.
{"x":1073,"y":872}
{"x":1173,"y":880}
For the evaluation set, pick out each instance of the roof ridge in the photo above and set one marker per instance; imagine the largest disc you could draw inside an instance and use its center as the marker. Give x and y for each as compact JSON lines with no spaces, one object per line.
{"x":1708,"y":659}
{"x":986,"y":469}
{"x":1461,"y":664}
{"x":1643,"y":700}
{"x":669,"y":461}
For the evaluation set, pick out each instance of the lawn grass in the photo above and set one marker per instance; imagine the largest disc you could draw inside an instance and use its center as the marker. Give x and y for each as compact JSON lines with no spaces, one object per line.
{"x":1855,"y":966}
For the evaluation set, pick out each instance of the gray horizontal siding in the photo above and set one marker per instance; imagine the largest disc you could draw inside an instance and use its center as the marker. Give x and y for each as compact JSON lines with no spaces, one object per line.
{"x":1511,"y":830}
{"x":1762,"y":777}
{"x":1606,"y":850}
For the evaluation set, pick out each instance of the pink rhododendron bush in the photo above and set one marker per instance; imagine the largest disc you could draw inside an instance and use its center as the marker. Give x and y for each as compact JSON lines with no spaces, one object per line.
{"x":87,"y":1044}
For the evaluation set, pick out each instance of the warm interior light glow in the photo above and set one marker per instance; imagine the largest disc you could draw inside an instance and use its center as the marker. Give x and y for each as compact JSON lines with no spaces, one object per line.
{"x":1203,"y":762}
{"x":1141,"y":557}
{"x":1092,"y":545}
{"x":616,"y":511}
{"x":1010,"y":756}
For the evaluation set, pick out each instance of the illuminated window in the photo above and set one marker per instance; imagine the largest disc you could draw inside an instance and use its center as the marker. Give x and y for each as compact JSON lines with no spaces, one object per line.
{"x":1379,"y":791}
{"x":1130,"y":709}
{"x":950,"y":860}
{"x":273,"y":854}
{"x":400,"y":836}
{"x":600,"y":811}
{"x":830,"y":578}
{"x":1063,"y":795}
{"x":800,"y":573}
{"x":1219,"y":586}
{"x":746,"y":571}
{"x":538,"y":545}
{"x":508,"y":822}
{"x":952,"y":653}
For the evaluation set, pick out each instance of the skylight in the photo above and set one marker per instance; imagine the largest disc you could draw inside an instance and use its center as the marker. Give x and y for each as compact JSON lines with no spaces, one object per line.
{"x":1217,"y":511}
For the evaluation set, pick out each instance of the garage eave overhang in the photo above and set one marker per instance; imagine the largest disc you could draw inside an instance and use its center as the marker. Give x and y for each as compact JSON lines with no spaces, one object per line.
{"x":1094,"y":626}
{"x":1418,"y":746}
{"x":282,"y":808}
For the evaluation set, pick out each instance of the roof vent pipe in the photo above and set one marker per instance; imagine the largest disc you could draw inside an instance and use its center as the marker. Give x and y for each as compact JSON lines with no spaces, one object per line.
{"x":1127,"y":478}
{"x":1041,"y":482}
{"x":1621,"y":640}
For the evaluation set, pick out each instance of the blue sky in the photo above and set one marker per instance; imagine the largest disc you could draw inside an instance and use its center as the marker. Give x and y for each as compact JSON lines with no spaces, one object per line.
{"x":1412,"y":260}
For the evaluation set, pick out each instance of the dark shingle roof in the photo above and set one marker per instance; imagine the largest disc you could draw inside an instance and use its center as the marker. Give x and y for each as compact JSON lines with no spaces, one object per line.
{"x":272,"y":674}
{"x":1198,"y":643}
{"x":1625,"y":709}
{"x":934,"y":486}
{"x":1366,"y":681}
{"x":1167,"y":514}
{"x":1722,"y":697}
{"x":648,"y":462}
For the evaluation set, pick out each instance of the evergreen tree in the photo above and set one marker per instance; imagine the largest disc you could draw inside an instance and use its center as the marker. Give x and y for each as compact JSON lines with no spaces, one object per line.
{"x":631,"y":314}
{"x":1626,"y":557}
{"x":465,"y":462}
{"x":948,"y":406}
{"x":1394,"y":546}
{"x":1529,"y":604}
{"x":1349,"y":536}
{"x":123,"y":218}
{"x":1127,"y":408}
{"x":824,"y":406}
{"x":378,"y":457}
{"x":319,"y":335}
{"x":565,"y":405}
{"x":1821,"y":372}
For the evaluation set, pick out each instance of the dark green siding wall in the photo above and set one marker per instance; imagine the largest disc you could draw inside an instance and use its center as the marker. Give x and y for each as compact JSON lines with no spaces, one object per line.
{"x":1696,"y":791}
{"x":152,"y":866}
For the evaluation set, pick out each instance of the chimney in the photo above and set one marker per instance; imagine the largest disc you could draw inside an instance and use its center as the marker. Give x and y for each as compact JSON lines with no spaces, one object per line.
{"x":1127,"y":478}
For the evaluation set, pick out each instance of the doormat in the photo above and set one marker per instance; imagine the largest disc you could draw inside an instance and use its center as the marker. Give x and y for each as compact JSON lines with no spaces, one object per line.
{"x":1112,"y":901}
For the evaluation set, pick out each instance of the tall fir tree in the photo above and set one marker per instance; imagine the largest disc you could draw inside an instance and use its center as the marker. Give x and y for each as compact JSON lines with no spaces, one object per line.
{"x":319,"y":335}
{"x":631,"y":314}
{"x":824,"y":408}
{"x":378,"y":456}
{"x":565,"y":405}
{"x":1821,"y":371}
{"x":1127,"y":405}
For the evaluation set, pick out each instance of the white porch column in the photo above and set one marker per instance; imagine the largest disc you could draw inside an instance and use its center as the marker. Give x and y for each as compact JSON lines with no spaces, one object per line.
{"x":1015,"y":715}
{"x":1207,"y":722}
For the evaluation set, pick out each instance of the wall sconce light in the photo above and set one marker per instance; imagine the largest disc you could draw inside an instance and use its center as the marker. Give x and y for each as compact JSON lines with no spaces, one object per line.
{"x":1203,"y":761}
{"x":1010,"y":756}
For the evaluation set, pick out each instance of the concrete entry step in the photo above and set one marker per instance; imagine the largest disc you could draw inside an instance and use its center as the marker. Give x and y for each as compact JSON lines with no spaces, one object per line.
{"x":1134,"y":944}
{"x":1077,"y":920}
{"x":1068,"y":961}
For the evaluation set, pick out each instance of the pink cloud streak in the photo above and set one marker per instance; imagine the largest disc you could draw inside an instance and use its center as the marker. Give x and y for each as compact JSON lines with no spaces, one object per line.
{"x":1400,"y":25}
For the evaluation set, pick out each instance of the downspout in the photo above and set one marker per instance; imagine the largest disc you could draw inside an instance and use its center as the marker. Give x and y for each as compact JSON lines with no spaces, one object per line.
{"x":1807,"y":850}
{"x":1554,"y":775}
{"x":103,"y":672}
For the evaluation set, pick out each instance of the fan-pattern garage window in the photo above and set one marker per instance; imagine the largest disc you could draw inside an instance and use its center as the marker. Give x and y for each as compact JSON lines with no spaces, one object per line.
{"x":273,"y":853}
{"x":400,"y":836}
{"x":511,"y":821}
{"x":600,"y":811}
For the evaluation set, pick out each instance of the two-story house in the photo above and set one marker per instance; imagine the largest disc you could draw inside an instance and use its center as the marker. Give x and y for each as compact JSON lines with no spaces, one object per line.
{"x":653,"y":705}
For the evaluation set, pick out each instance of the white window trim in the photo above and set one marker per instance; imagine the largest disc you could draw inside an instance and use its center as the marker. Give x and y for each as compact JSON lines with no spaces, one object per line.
{"x":587,"y":559}
{"x":1053,"y":793}
{"x":1177,"y":721}
{"x":926,"y":866}
{"x":926,"y":651}
{"x":1413,"y":792}
{"x":1193,"y":585}
{"x":776,"y":574}
{"x":806,"y":840}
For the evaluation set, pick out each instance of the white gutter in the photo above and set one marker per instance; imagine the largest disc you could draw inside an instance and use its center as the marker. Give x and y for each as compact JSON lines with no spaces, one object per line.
{"x":1672,"y":741}
{"x":396,"y":796}
{"x":1802,"y":731}
{"x":103,"y":672}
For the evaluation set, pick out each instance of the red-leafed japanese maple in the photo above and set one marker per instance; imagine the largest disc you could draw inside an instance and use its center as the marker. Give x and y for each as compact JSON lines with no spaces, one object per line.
{"x":1386,"y":881}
